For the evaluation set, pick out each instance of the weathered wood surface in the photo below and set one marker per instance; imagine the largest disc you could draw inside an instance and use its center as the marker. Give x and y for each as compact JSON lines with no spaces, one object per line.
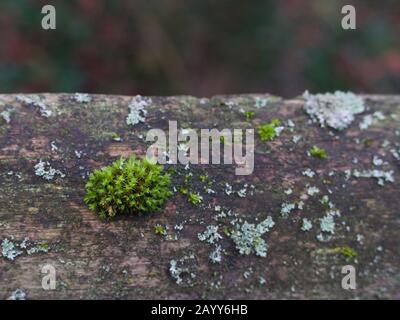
{"x":126,"y":259}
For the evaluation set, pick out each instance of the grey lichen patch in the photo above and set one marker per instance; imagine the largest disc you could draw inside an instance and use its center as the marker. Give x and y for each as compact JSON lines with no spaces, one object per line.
{"x":328,"y":224}
{"x":18,"y":294}
{"x":82,"y":98}
{"x":216,"y":255}
{"x":307,"y":225}
{"x":11,"y":249}
{"x":248,"y":237}
{"x":137,"y":110}
{"x":371,"y":119}
{"x":43,"y":169}
{"x":35,"y":101}
{"x":335,"y":110}
{"x":210,"y":235}
{"x":287,"y":208}
{"x":311,"y":191}
{"x":308,"y":173}
{"x":380,"y":175}
{"x":183,"y":270}
{"x":6,"y":115}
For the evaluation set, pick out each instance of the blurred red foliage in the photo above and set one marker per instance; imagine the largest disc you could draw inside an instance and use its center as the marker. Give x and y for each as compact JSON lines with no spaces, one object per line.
{"x":199,"y":47}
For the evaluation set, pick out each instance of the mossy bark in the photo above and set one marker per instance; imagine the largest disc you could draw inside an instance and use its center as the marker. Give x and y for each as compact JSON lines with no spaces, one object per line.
{"x":126,"y":259}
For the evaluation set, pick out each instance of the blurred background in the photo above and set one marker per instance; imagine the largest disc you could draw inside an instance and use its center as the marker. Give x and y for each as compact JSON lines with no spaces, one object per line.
{"x":201,"y":47}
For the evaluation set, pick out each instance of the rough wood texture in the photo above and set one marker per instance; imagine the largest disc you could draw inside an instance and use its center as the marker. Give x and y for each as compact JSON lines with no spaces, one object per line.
{"x":126,"y":259}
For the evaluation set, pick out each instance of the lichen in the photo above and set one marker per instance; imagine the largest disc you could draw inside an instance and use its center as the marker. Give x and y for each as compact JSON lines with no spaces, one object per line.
{"x":44,"y":170}
{"x":296,"y":138}
{"x":210,"y":235}
{"x":311,"y":191}
{"x":327,"y":224}
{"x":336,"y":110}
{"x":137,"y":110}
{"x":286,"y":208}
{"x":10,"y":250}
{"x":18,"y":294}
{"x":181,"y":270}
{"x":308,"y":173}
{"x":380,"y":175}
{"x":371,"y":119}
{"x":307,"y":225}
{"x":42,"y":247}
{"x":6,"y":115}
{"x":82,"y":97}
{"x":248,"y":237}
{"x":377,"y":161}
{"x":260,"y":102}
{"x":216,"y":255}
{"x":35,"y":101}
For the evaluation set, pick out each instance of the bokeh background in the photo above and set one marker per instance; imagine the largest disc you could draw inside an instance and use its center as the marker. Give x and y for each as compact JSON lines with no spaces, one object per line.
{"x":199,"y":47}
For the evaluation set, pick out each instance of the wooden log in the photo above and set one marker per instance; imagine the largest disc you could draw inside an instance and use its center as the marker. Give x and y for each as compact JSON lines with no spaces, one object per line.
{"x":125,"y":258}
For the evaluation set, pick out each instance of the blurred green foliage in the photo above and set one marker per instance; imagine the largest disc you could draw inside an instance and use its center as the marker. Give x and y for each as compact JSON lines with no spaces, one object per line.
{"x":199,"y":47}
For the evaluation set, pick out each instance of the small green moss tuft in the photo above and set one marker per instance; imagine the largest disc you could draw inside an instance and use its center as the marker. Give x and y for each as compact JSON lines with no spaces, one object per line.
{"x":159,"y":229}
{"x":267,"y":131}
{"x":317,"y":152}
{"x":195,"y":198}
{"x":128,"y":186}
{"x":249,"y":115}
{"x":346,"y":251}
{"x":203,"y":178}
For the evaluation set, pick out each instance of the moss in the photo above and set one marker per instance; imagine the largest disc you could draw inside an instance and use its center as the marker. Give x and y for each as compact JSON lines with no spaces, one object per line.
{"x":268,"y":131}
{"x":187,"y":178}
{"x":317,"y":152}
{"x":346,"y":251}
{"x":368,"y":143}
{"x":203,"y":178}
{"x":195,"y":198}
{"x":127,"y":187}
{"x":159,"y":229}
{"x":249,"y":115}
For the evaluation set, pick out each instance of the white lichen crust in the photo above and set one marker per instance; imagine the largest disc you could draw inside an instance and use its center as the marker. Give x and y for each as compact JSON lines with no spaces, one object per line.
{"x":248,"y":237}
{"x":44,"y":170}
{"x":335,"y":110}
{"x":137,"y":110}
{"x":35,"y":101}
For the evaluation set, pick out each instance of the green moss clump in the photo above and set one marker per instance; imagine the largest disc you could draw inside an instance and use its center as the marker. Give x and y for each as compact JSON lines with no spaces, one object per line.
{"x":159,"y":229}
{"x":267,"y":131}
{"x":347,"y":252}
{"x":317,"y":152}
{"x":195,"y":198}
{"x":128,"y":186}
{"x":249,"y":115}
